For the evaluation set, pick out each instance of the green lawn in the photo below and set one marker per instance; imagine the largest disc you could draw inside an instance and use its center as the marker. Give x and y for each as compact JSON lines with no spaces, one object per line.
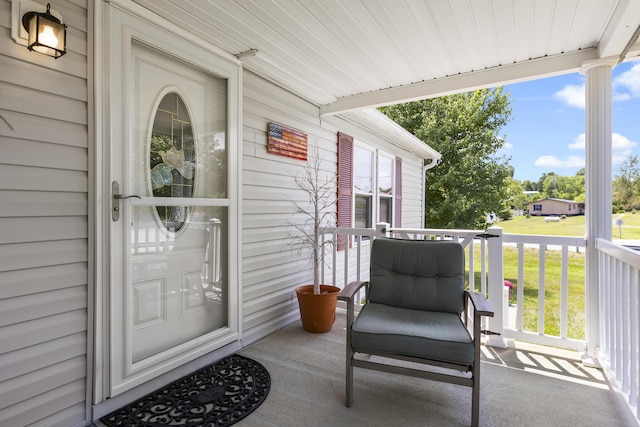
{"x":572,"y":226}
{"x":576,"y":297}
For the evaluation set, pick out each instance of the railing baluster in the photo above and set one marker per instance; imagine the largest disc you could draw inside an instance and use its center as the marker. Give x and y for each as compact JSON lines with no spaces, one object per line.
{"x":322,"y":245}
{"x":346,"y":261}
{"x":564,"y":291}
{"x":472,"y":276}
{"x":334,"y":258}
{"x":617,"y":319}
{"x":602,"y":258}
{"x":359,"y":258}
{"x":520,"y":302}
{"x":624,"y":344}
{"x":541,"y":270}
{"x":483,"y":266}
{"x":610,"y":312}
{"x":633,"y":331}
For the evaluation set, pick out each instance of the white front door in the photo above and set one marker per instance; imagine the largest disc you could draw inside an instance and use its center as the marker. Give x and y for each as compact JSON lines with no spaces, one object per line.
{"x":173,"y":138}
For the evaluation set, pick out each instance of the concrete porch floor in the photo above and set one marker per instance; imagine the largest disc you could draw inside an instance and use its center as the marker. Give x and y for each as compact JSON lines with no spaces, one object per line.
{"x":523,"y":385}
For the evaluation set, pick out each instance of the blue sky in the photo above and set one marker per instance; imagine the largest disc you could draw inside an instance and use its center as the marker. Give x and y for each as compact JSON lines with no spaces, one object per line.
{"x":546,"y":131}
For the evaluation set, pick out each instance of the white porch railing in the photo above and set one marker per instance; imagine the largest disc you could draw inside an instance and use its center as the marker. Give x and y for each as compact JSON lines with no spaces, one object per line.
{"x":543,"y":244}
{"x":619,"y":270}
{"x":352,"y":263}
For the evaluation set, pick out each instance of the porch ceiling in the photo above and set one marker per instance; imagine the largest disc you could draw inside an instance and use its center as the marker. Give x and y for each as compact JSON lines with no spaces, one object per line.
{"x":352,"y":54}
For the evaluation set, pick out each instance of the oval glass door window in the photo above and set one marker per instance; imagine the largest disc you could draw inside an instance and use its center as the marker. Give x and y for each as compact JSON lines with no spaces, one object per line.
{"x":172,"y":159}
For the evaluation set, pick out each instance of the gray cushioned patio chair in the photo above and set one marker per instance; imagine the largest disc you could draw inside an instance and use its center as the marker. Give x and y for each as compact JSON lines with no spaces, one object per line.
{"x":414,"y":311}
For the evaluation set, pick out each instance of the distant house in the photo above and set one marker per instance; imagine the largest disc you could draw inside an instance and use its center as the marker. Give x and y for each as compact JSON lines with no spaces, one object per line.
{"x":552,"y":206}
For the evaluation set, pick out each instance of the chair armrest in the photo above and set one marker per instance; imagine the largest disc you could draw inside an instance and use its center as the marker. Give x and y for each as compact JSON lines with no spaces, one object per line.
{"x":481,"y":306}
{"x":350,"y":290}
{"x":348,"y":294}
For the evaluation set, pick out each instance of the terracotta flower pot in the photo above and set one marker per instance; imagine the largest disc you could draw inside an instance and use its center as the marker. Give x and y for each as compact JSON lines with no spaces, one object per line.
{"x":317,"y":312}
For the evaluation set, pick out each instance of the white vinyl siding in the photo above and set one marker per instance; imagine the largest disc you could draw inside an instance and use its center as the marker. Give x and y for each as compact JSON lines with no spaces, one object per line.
{"x":43,"y":227}
{"x":412,"y":192}
{"x":271,"y":269}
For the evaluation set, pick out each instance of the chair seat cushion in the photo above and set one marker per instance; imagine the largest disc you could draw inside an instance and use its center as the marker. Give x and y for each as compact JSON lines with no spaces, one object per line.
{"x":424,"y":334}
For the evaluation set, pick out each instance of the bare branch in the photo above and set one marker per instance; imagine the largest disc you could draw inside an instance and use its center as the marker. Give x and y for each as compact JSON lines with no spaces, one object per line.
{"x":320,"y":189}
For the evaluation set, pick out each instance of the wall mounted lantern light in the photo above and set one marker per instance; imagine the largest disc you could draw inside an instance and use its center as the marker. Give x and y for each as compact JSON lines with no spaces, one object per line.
{"x":47,"y":35}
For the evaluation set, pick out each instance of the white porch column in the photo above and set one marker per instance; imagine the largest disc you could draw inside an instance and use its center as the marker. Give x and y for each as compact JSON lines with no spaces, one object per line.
{"x":597,"y":187}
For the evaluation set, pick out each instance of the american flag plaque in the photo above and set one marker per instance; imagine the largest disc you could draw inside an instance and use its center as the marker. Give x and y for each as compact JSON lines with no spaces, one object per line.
{"x":287,"y":142}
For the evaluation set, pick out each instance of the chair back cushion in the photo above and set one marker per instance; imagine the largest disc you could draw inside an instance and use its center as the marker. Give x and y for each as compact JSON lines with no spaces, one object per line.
{"x":417,"y":274}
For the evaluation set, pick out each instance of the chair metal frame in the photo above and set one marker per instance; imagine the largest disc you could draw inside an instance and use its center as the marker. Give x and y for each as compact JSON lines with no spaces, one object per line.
{"x":481,"y":307}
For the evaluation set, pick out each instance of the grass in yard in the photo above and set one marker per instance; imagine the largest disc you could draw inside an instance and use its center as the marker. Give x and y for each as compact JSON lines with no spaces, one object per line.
{"x":552,"y":291}
{"x":571,"y":226}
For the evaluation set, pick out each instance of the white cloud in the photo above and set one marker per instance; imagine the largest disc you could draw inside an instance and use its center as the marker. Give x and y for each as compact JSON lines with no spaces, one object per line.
{"x":572,"y":95}
{"x":621,"y":143}
{"x":621,"y":149}
{"x":617,"y":96}
{"x":625,"y":86}
{"x":618,"y":158}
{"x":628,"y":81}
{"x":507,"y":146}
{"x":578,"y":142}
{"x":554,"y":162}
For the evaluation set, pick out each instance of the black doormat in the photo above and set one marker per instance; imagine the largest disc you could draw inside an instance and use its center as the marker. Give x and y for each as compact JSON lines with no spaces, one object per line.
{"x":217,"y":395}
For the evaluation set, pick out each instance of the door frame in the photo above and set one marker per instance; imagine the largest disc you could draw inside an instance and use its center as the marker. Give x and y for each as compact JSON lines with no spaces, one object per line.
{"x":110,"y":56}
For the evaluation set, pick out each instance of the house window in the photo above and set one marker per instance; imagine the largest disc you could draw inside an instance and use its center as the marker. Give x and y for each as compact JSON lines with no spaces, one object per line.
{"x":385,"y":188}
{"x":369,"y":185}
{"x":363,"y":178}
{"x":362,"y":212}
{"x":537,"y":208}
{"x":372,"y":187}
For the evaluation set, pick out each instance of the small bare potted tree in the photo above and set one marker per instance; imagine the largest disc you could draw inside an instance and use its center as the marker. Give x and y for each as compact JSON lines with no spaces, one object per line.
{"x":317,"y":302}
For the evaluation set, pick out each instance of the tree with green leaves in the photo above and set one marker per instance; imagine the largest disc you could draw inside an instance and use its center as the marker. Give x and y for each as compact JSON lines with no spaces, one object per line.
{"x":518,"y":200}
{"x":472,"y":179}
{"x":541,"y":181}
{"x":626,"y":185}
{"x":563,"y":187}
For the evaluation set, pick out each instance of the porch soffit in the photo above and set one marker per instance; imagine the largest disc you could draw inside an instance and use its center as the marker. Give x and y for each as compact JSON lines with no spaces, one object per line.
{"x":352,"y":54}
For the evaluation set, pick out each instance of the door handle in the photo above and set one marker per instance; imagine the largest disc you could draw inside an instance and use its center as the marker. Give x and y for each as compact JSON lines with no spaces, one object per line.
{"x":115,"y":203}
{"x":121,"y":197}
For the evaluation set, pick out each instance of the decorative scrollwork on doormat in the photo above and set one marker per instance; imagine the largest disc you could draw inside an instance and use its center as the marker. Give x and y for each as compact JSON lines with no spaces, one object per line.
{"x":217,"y":395}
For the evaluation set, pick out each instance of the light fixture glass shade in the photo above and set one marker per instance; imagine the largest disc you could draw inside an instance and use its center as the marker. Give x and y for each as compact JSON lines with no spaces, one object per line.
{"x":46,"y":34}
